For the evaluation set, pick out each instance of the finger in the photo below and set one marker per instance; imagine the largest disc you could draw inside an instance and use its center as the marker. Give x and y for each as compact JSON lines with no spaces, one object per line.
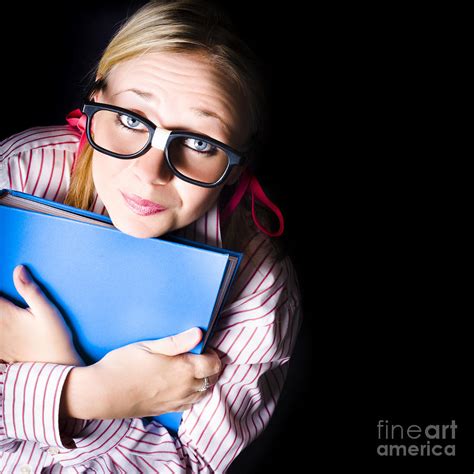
{"x":6,"y":307}
{"x":185,"y":407}
{"x":174,"y":345}
{"x":31,"y":292}
{"x":195,"y":397}
{"x":206,"y":364}
{"x":199,"y":384}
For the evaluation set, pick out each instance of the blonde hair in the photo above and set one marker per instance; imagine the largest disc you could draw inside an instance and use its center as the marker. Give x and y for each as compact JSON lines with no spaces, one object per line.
{"x":182,"y":26}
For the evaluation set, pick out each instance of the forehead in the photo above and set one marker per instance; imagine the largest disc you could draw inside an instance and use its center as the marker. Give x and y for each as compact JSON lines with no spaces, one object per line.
{"x":180,"y":82}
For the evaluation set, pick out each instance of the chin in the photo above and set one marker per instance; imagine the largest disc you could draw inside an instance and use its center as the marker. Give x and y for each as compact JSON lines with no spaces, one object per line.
{"x":135,"y":229}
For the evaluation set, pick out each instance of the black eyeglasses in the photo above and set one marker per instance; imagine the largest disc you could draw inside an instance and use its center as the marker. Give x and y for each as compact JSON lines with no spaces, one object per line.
{"x":194,"y":158}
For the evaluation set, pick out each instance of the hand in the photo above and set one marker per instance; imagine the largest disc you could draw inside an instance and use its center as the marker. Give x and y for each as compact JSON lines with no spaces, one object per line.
{"x":37,"y":333}
{"x":146,"y":378}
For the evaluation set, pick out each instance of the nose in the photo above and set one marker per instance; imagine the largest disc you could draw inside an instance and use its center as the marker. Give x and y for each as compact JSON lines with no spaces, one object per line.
{"x":151,"y":168}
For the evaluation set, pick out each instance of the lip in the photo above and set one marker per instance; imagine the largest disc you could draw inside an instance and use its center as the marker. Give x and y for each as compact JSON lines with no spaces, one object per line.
{"x":140,"y":206}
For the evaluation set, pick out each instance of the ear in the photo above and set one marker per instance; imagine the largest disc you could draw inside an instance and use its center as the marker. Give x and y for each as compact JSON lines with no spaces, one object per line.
{"x":235,"y":175}
{"x":97,"y":96}
{"x":97,"y":90}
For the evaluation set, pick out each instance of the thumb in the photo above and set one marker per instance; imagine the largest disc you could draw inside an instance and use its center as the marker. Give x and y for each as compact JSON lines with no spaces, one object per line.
{"x":30,"y":291}
{"x":174,"y":345}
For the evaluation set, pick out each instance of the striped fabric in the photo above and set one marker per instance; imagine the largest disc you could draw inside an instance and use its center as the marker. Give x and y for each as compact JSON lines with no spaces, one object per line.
{"x":255,"y":337}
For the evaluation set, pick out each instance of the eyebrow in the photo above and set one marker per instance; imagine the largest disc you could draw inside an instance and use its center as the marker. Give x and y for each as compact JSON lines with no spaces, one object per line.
{"x":208,"y":113}
{"x":145,"y":95}
{"x":196,"y":110}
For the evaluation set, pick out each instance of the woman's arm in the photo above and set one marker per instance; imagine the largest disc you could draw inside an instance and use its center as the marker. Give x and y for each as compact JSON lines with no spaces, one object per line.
{"x":212,"y":433}
{"x":30,"y":393}
{"x":154,"y":377}
{"x":255,"y":337}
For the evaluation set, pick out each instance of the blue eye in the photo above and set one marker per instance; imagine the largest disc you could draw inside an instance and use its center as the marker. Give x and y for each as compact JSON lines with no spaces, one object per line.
{"x":198,"y":145}
{"x":131,"y":122}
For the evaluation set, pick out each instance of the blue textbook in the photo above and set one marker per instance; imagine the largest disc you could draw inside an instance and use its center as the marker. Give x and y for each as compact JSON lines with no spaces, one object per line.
{"x":112,"y":289}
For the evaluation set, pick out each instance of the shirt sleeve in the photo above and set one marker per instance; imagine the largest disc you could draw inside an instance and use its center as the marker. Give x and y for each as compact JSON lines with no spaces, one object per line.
{"x":38,"y":161}
{"x":255,"y":337}
{"x":30,"y":402}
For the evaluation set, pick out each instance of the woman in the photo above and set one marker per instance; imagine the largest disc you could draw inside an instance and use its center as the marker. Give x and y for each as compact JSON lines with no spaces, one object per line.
{"x":173,"y":66}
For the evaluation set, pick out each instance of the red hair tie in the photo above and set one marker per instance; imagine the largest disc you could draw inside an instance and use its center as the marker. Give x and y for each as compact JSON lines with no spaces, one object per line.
{"x":248,"y":183}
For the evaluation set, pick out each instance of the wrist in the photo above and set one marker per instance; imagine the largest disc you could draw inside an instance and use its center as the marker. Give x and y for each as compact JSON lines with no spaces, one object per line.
{"x":80,"y":397}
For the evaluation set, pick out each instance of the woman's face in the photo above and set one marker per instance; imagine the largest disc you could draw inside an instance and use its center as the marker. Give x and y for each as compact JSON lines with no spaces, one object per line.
{"x":177,"y":92}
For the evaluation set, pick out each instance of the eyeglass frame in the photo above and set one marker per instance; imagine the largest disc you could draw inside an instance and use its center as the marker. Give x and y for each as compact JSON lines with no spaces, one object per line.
{"x":234,"y":157}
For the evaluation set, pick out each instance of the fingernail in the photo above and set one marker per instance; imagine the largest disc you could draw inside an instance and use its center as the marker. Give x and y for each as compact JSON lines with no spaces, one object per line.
{"x":24,"y":275}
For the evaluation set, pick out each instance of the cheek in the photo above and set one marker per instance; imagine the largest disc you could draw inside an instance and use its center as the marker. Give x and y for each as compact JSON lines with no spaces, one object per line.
{"x":105,"y":168}
{"x":195,"y":200}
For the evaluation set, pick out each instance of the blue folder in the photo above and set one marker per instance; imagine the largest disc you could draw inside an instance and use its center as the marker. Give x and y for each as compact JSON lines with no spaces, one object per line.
{"x":113,"y":289}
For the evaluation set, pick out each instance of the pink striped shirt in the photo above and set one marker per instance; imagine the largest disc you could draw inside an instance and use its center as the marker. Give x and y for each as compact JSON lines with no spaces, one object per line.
{"x":256,"y":334}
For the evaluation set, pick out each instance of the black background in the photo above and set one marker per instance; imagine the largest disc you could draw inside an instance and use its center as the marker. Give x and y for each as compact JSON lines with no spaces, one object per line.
{"x":403,"y":82}
{"x":48,"y":54}
{"x":368,"y":160}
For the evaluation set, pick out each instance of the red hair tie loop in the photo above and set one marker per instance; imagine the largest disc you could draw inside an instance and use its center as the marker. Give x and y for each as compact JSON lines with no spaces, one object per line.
{"x":249,"y":183}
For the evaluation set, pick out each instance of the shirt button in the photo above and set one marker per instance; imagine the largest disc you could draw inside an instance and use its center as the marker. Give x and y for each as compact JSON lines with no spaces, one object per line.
{"x":53,"y":451}
{"x":26,"y":469}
